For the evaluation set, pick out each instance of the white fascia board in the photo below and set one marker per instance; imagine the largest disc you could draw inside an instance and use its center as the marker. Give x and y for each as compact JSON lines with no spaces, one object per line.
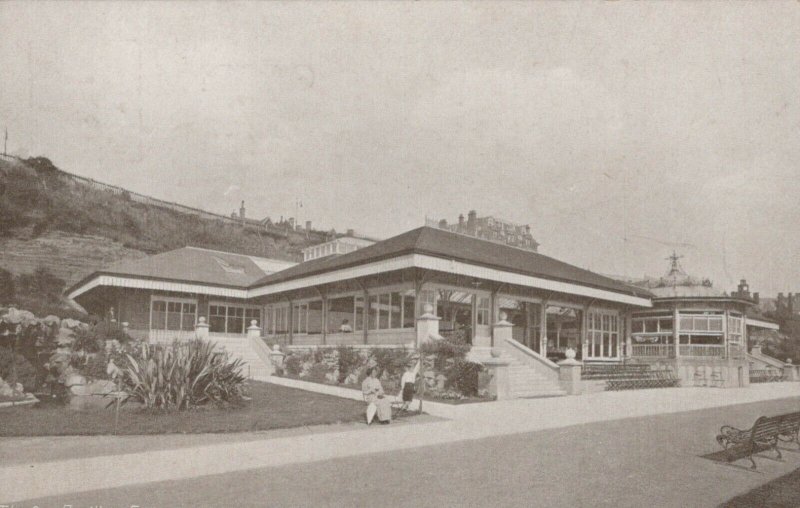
{"x":762,"y":324}
{"x":460,"y":268}
{"x":454,"y":267}
{"x":160,"y":285}
{"x":353,"y":272}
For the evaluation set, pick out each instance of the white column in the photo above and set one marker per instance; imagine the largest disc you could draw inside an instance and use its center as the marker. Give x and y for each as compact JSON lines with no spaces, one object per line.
{"x":676,"y":337}
{"x":543,"y":328}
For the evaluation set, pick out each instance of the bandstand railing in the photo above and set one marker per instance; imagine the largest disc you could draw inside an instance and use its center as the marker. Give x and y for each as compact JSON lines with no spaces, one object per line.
{"x":702,"y":350}
{"x":652,"y":350}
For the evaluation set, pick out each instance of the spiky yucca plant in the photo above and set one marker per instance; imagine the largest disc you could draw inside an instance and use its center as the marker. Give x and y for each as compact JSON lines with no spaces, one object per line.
{"x":182,"y":375}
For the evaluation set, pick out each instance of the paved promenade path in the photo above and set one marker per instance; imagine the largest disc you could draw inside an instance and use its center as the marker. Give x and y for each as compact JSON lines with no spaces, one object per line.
{"x":510,"y":425}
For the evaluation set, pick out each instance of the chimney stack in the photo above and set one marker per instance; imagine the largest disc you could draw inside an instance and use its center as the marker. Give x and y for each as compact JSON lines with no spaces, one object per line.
{"x":471,"y":218}
{"x":351,"y":232}
{"x":308,"y":225}
{"x":756,"y":297}
{"x":443,"y":224}
{"x":241,"y":211}
{"x":461,"y":219}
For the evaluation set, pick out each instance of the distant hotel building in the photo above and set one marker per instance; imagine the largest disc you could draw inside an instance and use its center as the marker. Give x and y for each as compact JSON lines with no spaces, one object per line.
{"x":341,"y":245}
{"x":490,"y":228}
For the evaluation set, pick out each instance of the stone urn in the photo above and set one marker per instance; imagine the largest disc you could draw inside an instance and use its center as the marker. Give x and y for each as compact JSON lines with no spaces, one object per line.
{"x":570,"y":353}
{"x":496,"y":352}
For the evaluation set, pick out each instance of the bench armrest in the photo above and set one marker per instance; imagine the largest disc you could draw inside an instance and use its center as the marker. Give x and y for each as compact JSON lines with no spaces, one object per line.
{"x":731,"y":435}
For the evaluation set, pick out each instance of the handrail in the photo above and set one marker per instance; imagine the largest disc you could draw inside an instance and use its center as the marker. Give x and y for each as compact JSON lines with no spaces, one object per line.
{"x":532,"y":354}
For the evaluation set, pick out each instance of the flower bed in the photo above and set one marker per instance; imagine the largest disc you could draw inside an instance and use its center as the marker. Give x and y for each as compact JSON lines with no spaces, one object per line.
{"x":445,"y":375}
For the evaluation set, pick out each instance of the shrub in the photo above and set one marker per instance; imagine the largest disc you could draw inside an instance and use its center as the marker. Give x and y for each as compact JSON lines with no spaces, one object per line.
{"x":318,"y":373}
{"x":443,"y":353}
{"x":391,"y":363}
{"x":25,"y":371}
{"x":348,"y":361}
{"x":293,"y":364}
{"x":93,"y":339}
{"x":463,"y":377}
{"x":182,"y":375}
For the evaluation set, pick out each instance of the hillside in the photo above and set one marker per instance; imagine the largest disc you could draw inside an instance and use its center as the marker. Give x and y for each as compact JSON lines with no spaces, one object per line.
{"x":66,"y":224}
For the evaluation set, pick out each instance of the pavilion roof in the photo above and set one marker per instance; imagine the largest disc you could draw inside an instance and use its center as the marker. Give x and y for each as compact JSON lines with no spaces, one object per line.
{"x":197,"y":265}
{"x":453,"y":246}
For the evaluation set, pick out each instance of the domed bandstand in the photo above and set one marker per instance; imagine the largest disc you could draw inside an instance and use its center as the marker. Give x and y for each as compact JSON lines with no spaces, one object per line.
{"x":695,"y":330}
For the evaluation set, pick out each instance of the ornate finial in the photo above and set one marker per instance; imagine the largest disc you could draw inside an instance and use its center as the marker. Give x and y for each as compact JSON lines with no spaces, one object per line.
{"x":674,"y":266}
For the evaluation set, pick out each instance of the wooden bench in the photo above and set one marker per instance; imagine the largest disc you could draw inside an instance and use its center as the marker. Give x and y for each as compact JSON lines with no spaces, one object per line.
{"x":643,"y":380}
{"x":764,"y":435}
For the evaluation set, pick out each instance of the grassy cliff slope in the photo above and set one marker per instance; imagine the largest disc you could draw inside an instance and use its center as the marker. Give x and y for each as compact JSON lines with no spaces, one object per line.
{"x":50,"y":219}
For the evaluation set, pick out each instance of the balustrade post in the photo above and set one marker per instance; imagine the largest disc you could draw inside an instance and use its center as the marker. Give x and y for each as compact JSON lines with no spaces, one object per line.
{"x":427,"y":325}
{"x":201,"y":329}
{"x":254,"y":331}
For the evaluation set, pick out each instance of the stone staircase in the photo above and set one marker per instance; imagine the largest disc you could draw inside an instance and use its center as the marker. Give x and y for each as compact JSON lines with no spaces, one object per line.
{"x":525,"y":381}
{"x":241,"y":347}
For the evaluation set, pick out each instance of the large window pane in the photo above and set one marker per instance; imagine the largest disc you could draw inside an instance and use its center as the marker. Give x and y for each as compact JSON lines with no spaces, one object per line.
{"x":455,"y":310}
{"x":373,"y":312}
{"x":173,"y":315}
{"x":360,"y":318}
{"x":383,"y":308}
{"x":564,"y":328}
{"x":235,"y":322}
{"x":282,"y":320}
{"x":189,"y":312}
{"x":408,"y":309}
{"x":426,"y":296}
{"x":251,"y":315}
{"x":395,"y":310}
{"x":216,"y":318}
{"x":315,"y":316}
{"x":340,"y":314}
{"x":158,"y":319}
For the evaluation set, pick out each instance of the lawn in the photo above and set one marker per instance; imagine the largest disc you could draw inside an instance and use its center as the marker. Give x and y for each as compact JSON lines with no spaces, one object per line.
{"x":780,"y":492}
{"x":271,"y":407}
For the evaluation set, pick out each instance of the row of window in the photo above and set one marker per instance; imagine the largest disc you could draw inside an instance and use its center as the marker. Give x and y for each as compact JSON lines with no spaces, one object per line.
{"x":651,"y":325}
{"x":345,"y":314}
{"x":172,"y":315}
{"x":231,"y":318}
{"x":691,"y":326}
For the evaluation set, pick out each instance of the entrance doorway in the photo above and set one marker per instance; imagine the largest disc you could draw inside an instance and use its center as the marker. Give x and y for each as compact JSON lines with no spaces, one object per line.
{"x":563,"y":330}
{"x":526,"y":318}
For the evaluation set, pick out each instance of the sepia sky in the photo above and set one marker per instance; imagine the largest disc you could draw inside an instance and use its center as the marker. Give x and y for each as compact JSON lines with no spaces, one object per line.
{"x":620,"y":131}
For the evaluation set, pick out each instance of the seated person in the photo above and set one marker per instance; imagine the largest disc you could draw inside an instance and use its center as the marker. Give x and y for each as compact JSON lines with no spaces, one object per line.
{"x":377,"y":402}
{"x":346,"y":328}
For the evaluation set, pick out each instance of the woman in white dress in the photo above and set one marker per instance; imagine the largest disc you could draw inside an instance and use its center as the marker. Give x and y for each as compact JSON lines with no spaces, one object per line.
{"x":377,"y":402}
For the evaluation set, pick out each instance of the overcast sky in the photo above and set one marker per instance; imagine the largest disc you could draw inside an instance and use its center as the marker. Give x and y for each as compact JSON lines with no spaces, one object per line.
{"x":620,"y":131}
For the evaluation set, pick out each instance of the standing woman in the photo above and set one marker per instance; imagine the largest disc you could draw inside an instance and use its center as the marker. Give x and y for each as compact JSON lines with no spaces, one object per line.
{"x":407,"y":384}
{"x":375,"y":398}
